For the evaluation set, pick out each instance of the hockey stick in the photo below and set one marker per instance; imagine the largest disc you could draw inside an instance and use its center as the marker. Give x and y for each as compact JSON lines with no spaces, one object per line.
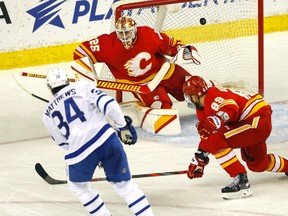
{"x":105,"y":84}
{"x":41,"y":76}
{"x":40,"y":170}
{"x":33,"y":95}
{"x":144,"y":89}
{"x":159,"y":76}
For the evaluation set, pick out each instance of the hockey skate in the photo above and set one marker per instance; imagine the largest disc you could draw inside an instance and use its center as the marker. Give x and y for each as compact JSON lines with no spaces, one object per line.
{"x":286,"y":174}
{"x":239,"y":188}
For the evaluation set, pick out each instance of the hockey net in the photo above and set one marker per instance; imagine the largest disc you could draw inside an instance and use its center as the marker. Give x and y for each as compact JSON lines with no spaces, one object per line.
{"x":227,"y":33}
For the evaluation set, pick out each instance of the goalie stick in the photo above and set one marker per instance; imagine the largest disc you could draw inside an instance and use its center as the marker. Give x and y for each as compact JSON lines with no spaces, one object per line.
{"x":105,"y":84}
{"x":44,"y":175}
{"x":137,"y":88}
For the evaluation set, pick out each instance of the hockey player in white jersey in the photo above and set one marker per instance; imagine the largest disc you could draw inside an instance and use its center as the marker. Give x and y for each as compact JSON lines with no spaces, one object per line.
{"x":76,"y":120}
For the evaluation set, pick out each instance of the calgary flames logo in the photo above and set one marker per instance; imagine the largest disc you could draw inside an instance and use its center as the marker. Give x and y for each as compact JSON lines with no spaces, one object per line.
{"x":135,"y":67}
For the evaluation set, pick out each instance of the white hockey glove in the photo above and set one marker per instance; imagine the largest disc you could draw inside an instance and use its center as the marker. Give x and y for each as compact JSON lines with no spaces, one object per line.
{"x":187,"y":54}
{"x":128,"y":133}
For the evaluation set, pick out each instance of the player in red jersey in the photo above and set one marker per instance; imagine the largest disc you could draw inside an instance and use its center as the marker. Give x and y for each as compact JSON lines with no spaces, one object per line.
{"x":230,"y":119}
{"x":134,"y":55}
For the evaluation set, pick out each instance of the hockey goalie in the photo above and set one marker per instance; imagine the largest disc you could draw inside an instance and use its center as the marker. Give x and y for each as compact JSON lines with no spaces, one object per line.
{"x":137,"y":55}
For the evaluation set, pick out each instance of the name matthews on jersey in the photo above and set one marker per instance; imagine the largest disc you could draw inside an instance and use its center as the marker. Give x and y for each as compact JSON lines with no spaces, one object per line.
{"x":57,"y":99}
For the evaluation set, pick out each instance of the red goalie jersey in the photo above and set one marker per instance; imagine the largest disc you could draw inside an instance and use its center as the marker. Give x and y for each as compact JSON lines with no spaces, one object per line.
{"x":137,"y":65}
{"x":135,"y":55}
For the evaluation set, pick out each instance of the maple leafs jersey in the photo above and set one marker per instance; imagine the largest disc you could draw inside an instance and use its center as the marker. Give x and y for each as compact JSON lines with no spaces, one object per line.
{"x":136,"y":65}
{"x":76,"y":119}
{"x":236,"y":104}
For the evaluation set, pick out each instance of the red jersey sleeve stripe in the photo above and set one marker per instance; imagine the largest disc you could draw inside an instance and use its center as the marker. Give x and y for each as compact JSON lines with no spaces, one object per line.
{"x":87,"y":52}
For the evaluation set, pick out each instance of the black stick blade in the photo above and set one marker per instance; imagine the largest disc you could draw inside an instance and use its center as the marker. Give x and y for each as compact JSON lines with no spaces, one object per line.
{"x":44,"y":175}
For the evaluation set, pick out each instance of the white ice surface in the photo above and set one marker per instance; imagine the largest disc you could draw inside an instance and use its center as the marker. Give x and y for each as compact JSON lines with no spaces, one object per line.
{"x":24,"y":142}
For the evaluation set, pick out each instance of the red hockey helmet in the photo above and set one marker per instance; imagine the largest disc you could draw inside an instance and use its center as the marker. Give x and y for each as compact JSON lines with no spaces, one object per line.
{"x":193,"y":88}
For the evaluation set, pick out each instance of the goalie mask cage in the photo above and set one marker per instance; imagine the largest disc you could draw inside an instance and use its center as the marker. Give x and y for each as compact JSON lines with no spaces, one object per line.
{"x":230,"y":41}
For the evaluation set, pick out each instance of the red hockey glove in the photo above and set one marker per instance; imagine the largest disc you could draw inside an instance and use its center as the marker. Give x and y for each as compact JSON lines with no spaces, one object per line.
{"x":208,"y":125}
{"x":196,"y":167}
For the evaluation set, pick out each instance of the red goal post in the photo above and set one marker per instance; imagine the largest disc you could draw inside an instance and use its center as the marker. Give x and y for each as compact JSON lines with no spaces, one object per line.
{"x":230,"y":41}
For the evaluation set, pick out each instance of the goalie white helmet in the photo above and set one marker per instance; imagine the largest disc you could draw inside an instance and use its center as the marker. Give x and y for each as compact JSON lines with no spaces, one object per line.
{"x":126,"y":31}
{"x":56,"y":77}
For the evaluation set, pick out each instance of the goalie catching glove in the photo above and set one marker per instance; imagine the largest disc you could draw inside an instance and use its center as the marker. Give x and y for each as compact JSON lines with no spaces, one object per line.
{"x":196,"y":167}
{"x":128,"y":133}
{"x":187,"y":54}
